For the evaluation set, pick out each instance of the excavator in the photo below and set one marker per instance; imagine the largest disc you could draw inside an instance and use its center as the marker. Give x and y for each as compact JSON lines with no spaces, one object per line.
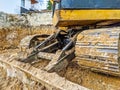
{"x":86,"y":31}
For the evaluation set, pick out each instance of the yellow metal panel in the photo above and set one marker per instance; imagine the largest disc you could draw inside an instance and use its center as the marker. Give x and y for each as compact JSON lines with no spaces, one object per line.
{"x":51,"y":1}
{"x":56,"y":17}
{"x":84,"y":17}
{"x":89,"y":14}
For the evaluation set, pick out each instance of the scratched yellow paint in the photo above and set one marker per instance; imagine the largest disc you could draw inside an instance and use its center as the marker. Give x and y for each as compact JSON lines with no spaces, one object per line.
{"x":89,"y":14}
{"x":71,"y":17}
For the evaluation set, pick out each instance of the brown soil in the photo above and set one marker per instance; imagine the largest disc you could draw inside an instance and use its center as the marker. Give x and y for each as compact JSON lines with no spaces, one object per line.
{"x":92,"y":80}
{"x":11,"y":37}
{"x":84,"y":77}
{"x":9,"y":41}
{"x":12,"y":83}
{"x":73,"y":72}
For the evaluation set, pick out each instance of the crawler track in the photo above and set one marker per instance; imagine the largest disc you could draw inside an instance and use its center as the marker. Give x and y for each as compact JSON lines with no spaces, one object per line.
{"x":98,"y":49}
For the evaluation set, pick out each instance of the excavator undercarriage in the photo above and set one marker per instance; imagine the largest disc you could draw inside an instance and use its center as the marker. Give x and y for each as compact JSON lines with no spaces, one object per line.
{"x":96,"y":49}
{"x":58,"y":48}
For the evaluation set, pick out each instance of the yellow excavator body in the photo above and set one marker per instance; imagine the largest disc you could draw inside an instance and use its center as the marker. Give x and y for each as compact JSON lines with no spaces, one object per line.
{"x":65,"y":18}
{"x":84,"y":12}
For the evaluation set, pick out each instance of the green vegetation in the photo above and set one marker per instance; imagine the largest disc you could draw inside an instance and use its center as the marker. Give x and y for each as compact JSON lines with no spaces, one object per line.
{"x":49,"y":6}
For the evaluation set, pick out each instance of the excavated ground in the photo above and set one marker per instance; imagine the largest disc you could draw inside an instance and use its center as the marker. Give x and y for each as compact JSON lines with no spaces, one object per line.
{"x":10,"y":39}
{"x":74,"y":73}
{"x":86,"y":78}
{"x":12,"y":83}
{"x":92,"y":80}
